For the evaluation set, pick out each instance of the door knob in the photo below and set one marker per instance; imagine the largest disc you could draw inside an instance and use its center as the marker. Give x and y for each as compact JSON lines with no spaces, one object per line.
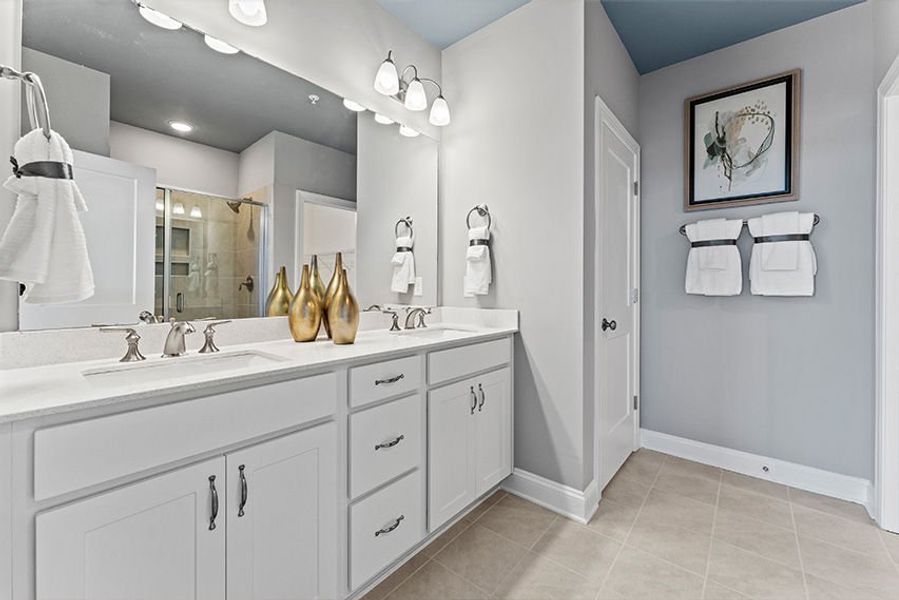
{"x":606,"y":324}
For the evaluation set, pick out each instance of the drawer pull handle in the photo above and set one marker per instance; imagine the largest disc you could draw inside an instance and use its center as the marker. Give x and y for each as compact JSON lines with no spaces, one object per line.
{"x":390,"y":380}
{"x":390,"y":444}
{"x":391,"y":527}
{"x":244,"y":492}
{"x":483,"y":397}
{"x":215,"y":502}
{"x":474,"y":400}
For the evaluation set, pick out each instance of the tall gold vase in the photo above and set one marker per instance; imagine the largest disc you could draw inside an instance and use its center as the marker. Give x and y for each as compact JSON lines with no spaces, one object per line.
{"x":305,"y":315}
{"x":343,"y":312}
{"x":278,"y":302}
{"x":332,"y":288}
{"x":315,"y":278}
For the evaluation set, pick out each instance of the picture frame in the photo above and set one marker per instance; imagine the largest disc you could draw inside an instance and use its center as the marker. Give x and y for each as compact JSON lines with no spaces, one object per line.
{"x":741,"y":144}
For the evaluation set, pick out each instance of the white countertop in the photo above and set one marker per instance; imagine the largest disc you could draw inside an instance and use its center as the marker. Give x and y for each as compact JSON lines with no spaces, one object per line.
{"x":59,"y":388}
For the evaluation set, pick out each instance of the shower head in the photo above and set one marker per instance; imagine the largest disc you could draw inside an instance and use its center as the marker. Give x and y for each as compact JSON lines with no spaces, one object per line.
{"x":234,"y":205}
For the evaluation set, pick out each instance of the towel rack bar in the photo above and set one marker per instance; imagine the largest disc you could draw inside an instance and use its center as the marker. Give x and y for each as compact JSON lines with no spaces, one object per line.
{"x":683,"y":228}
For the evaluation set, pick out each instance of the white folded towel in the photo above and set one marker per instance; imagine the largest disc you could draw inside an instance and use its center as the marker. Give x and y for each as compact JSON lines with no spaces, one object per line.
{"x":478,"y":268}
{"x":403,"y":266}
{"x":783,"y":268}
{"x":714,"y":270}
{"x":44,"y":245}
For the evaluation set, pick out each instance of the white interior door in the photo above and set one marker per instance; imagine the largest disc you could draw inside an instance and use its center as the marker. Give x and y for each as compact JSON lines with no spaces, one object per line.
{"x":617,"y":317}
{"x":121,"y":215}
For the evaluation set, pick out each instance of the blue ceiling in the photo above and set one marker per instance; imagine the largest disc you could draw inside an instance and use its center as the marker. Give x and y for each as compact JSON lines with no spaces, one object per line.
{"x":658,"y":33}
{"x":445,"y":22}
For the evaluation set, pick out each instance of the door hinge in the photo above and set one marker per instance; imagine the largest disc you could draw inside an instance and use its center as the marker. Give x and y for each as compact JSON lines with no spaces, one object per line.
{"x":635,"y":296}
{"x":636,"y":188}
{"x":636,"y":403}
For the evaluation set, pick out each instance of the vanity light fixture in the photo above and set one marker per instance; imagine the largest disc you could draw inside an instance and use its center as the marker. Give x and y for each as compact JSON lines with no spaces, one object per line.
{"x":160,"y":206}
{"x":178,"y":209}
{"x":353,"y":106}
{"x":407,"y":131}
{"x":411,"y":92}
{"x":248,"y":12}
{"x":157,"y":18}
{"x":181,"y":126}
{"x":219,"y":46}
{"x":196,"y":213}
{"x":383,"y":120}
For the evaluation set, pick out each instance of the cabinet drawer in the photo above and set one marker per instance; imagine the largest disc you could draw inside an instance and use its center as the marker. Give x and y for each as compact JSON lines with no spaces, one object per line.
{"x":384,"y":526}
{"x":384,"y":442}
{"x":459,"y":362}
{"x":78,"y":455}
{"x":370,"y":383}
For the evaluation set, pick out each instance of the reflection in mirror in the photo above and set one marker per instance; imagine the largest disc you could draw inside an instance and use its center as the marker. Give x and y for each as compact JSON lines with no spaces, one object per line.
{"x":205,"y":171}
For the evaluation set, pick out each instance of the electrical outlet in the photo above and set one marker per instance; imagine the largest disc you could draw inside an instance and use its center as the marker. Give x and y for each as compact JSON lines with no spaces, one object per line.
{"x":418,"y":287}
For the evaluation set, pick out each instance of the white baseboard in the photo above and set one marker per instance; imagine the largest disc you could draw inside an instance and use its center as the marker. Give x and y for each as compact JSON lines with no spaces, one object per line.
{"x":562,"y":499}
{"x":844,"y":487}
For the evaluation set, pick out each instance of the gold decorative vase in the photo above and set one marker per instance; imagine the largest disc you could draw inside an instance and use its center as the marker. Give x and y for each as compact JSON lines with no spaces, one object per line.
{"x":332,"y":287}
{"x":343,"y":312}
{"x":315,"y":278}
{"x":278,"y":302}
{"x":305,"y":315}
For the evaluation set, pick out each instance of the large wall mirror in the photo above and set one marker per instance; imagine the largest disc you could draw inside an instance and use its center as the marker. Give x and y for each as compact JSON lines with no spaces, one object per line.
{"x":206,"y":169}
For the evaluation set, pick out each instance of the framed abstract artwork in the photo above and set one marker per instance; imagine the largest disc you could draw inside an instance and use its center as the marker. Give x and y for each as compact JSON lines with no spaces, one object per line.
{"x":741,"y":144}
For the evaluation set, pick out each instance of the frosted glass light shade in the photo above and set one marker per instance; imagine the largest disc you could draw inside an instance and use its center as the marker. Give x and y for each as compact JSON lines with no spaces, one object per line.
{"x":387,"y":81}
{"x":440,"y":112}
{"x":219,"y":46}
{"x":159,"y":19}
{"x":416,"y":99}
{"x":248,"y":12}
{"x":383,"y":120}
{"x":196,"y":213}
{"x":353,"y":105}
{"x":407,"y":131}
{"x":178,"y":209}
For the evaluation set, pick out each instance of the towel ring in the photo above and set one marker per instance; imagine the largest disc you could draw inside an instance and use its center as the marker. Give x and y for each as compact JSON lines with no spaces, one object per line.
{"x":683,"y":228}
{"x":483,"y":211}
{"x":407,"y":222}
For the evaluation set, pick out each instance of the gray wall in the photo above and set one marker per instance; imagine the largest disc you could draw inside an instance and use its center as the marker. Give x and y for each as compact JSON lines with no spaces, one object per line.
{"x":790,"y":378}
{"x":78,"y":99}
{"x":396,"y":177}
{"x":611,"y":75}
{"x":886,"y":35}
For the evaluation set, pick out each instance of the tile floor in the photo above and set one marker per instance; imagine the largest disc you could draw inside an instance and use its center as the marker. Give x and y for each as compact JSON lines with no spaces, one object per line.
{"x":666,"y":529}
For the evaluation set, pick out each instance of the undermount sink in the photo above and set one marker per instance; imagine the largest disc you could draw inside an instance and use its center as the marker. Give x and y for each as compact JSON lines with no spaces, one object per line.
{"x":175,"y":367}
{"x":435,"y":332}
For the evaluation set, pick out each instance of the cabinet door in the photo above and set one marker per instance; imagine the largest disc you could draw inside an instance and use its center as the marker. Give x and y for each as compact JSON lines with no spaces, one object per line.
{"x":282,"y":518}
{"x":145,"y":541}
{"x":493,"y":422}
{"x":451,"y":485}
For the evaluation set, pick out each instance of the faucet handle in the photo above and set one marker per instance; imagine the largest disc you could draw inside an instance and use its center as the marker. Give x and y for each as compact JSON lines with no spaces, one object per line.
{"x":209,"y":346}
{"x":395,"y":325}
{"x":132,"y":339}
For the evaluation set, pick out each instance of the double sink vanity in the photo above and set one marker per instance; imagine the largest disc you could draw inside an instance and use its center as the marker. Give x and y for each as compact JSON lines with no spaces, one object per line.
{"x":270,"y":469}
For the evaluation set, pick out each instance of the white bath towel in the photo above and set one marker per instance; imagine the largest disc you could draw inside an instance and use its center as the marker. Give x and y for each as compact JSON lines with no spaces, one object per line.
{"x":403,"y":266}
{"x":478,"y":268}
{"x":44,"y":245}
{"x":714,"y":270}
{"x":782,"y":268}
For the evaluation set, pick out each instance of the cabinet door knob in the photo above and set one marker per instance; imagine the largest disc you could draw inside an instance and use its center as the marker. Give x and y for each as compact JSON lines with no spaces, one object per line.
{"x":244,"y":492}
{"x":483,"y":397}
{"x":390,"y":528}
{"x":474,"y":400}
{"x":215,"y":502}
{"x":606,"y":324}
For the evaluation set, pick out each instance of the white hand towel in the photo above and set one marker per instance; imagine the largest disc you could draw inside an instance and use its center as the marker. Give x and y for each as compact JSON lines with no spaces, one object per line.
{"x":769,"y":274}
{"x":714,"y":270}
{"x":403,"y":266}
{"x":478,"y":267}
{"x":44,"y":245}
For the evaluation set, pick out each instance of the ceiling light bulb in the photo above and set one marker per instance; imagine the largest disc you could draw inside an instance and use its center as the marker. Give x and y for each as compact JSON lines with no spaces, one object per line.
{"x":383,"y":120}
{"x":416,"y":99}
{"x":440,"y":112}
{"x":159,"y":19}
{"x":408,"y":131}
{"x":196,"y":213}
{"x":353,"y":106}
{"x":248,"y":12}
{"x":178,"y":209}
{"x":387,"y":81}
{"x":219,"y":46}
{"x":181,"y":126}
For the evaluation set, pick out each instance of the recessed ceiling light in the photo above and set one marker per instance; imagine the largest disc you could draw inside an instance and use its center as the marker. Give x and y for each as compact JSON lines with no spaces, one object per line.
{"x":159,"y":19}
{"x":408,"y":131}
{"x":383,"y":120}
{"x":181,"y":126}
{"x":248,"y":12}
{"x":219,"y":46}
{"x":353,"y":106}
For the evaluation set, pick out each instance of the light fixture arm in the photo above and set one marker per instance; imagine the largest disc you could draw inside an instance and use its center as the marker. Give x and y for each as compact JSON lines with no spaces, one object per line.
{"x":431,"y":81}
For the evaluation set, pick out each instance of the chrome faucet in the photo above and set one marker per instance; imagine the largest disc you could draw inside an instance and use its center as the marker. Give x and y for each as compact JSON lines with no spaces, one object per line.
{"x":174,"y":342}
{"x":419,"y":312}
